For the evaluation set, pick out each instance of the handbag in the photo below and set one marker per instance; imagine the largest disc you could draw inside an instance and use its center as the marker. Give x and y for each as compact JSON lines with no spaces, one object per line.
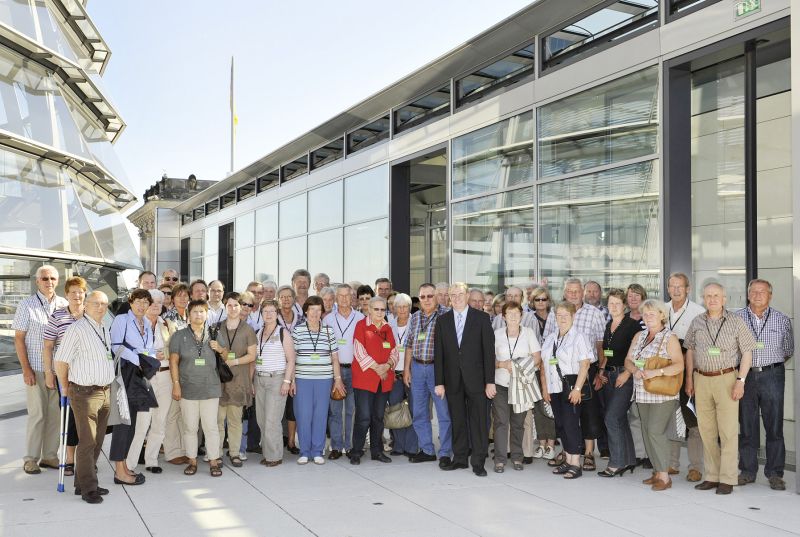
{"x":223,"y":369}
{"x":569,"y":382}
{"x":119,"y":410}
{"x":669,"y":385}
{"x":397,"y":416}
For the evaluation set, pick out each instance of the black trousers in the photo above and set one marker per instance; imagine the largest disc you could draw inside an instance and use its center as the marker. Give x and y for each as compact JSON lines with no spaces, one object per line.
{"x":121,"y":439}
{"x":469,"y":418}
{"x":369,"y":415}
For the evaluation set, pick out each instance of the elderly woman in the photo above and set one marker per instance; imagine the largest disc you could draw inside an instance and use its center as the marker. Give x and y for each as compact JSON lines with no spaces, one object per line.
{"x":180,"y":300}
{"x":405,"y":440}
{"x":656,"y":411}
{"x":375,"y":353}
{"x":156,"y":419}
{"x":166,"y":290}
{"x":132,"y":336}
{"x":328,"y":295}
{"x":274,"y":380}
{"x":196,"y":385}
{"x":289,"y":319}
{"x":517,"y":354}
{"x":567,"y":353}
{"x":238,"y":343}
{"x":365,"y":294}
{"x":317,"y":368}
{"x":619,"y":334}
{"x":542,"y":419}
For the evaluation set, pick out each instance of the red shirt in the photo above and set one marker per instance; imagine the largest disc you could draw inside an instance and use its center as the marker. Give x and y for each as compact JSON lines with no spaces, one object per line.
{"x":372,"y":344}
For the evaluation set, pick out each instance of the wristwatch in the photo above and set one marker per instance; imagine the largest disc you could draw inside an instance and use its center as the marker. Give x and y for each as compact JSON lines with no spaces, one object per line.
{"x":740,"y":379}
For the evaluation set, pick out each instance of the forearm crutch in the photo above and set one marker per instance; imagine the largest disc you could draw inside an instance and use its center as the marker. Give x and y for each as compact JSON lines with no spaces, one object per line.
{"x":62,"y":441}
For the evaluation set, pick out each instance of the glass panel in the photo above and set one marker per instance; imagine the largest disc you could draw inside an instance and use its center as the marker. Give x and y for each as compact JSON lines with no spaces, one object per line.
{"x":325,"y":253}
{"x":196,"y":256}
{"x":211,"y":240}
{"x":23,"y":92}
{"x":328,"y":153}
{"x":494,"y":157}
{"x":267,"y":262}
{"x":265,"y":182}
{"x":493,"y":240}
{"x":18,"y":15}
{"x":68,"y":137}
{"x":245,"y":230}
{"x":295,"y":168}
{"x":717,"y":134}
{"x":53,"y":36}
{"x":422,"y":110}
{"x":211,"y":267}
{"x":292,"y":257}
{"x":602,"y":226}
{"x":325,"y":207}
{"x":366,"y":195}
{"x":372,"y":237}
{"x":681,"y":6}
{"x":243,"y":268}
{"x":293,"y":216}
{"x":501,"y":73}
{"x":267,"y":224}
{"x":610,"y":123}
{"x":369,"y":134}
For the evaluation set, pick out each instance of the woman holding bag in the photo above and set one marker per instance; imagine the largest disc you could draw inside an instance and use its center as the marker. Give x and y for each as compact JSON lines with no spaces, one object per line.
{"x":656,"y":410}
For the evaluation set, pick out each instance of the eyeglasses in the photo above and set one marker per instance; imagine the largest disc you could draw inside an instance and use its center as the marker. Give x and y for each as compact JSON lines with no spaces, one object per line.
{"x":170,"y":279}
{"x":423,"y":297}
{"x":247,"y":304}
{"x":167,"y":293}
{"x":378,"y":309}
{"x":541,"y":299}
{"x":49,"y":278}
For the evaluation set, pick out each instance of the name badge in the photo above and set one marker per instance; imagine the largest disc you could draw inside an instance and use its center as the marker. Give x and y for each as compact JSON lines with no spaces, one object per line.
{"x":109,"y":356}
{"x":759,"y":345}
{"x":341,"y":342}
{"x":259,"y":361}
{"x":401,"y":349}
{"x":608,"y":352}
{"x":200,"y":362}
{"x":421,"y":337}
{"x":639,"y":363}
{"x":231,"y":356}
{"x":714,"y":351}
{"x":387,"y":345}
{"x":553,"y":361}
{"x":315,"y":356}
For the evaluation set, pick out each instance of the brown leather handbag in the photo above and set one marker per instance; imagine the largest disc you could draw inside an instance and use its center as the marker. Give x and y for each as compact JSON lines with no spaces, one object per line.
{"x":669,"y":385}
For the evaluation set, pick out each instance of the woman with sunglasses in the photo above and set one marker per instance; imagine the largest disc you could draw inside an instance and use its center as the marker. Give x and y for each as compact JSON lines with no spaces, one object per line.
{"x":542,"y":417}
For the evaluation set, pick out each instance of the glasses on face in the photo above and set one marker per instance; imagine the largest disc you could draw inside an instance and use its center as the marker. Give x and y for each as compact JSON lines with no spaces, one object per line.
{"x":167,"y":293}
{"x":541,"y":299}
{"x":378,"y":309}
{"x":247,"y":304}
{"x":426,"y":297}
{"x":170,"y":279}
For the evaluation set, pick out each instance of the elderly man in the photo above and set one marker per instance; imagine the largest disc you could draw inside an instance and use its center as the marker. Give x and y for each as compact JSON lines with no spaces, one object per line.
{"x":514,"y":294}
{"x":442,"y":296}
{"x":766,"y":379}
{"x":321,"y":281}
{"x":476,"y":299}
{"x":593,"y":294}
{"x":216,"y":309}
{"x":85,"y":363}
{"x":166,"y":290}
{"x":717,"y":342}
{"x":383,"y":288}
{"x":169,"y":277}
{"x":254,"y":318}
{"x":29,"y":324}
{"x":464,"y":368}
{"x":682,"y":312}
{"x":301,"y":281}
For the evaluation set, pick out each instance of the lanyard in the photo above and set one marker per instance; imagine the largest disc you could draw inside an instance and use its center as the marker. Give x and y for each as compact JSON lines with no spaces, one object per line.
{"x":763,"y":325}
{"x":643,"y":343}
{"x":508,"y":340}
{"x":426,"y":325}
{"x":319,"y":333}
{"x":288,"y":326}
{"x":198,"y":344}
{"x":228,"y":334}
{"x":714,"y":340}
{"x":401,"y":336}
{"x":542,"y":322}
{"x":611,"y":333}
{"x":557,"y":345}
{"x":685,"y":307}
{"x":45,"y":307}
{"x":261,"y":346}
{"x":101,"y":338}
{"x":142,"y":333}
{"x":346,"y":328}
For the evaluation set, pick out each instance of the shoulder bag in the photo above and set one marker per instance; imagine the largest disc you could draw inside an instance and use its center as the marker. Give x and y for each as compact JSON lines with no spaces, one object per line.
{"x":668,"y":385}
{"x":119,"y":410}
{"x":223,"y":370}
{"x":397,"y":416}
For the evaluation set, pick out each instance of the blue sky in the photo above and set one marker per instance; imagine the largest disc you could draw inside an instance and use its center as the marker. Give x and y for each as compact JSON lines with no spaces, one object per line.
{"x":297,"y":65}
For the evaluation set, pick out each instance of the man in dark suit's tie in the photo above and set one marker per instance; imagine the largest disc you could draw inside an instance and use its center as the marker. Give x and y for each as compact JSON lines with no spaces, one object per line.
{"x":464,"y":365}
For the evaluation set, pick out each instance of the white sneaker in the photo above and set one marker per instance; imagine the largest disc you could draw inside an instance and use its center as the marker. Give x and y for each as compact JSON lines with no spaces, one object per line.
{"x":549,"y":453}
{"x":243,"y":455}
{"x":205,"y":458}
{"x":302,"y":460}
{"x":319,"y":460}
{"x":539,"y":453}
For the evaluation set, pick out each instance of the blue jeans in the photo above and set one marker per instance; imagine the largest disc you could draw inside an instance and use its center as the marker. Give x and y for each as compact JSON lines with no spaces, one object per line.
{"x":311,"y":411}
{"x":422,"y":391}
{"x":342,"y":433}
{"x":763,"y":391}
{"x":620,"y":439}
{"x":405,"y":440}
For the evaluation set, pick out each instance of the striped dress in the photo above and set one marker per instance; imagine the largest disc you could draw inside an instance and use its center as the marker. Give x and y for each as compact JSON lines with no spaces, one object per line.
{"x":314,"y":351}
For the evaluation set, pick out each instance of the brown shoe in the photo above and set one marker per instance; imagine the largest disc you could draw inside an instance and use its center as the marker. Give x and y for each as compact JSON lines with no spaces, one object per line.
{"x":650,"y":480}
{"x":49,"y":463}
{"x":693,"y":476}
{"x":659,"y":485}
{"x":745,"y":480}
{"x":724,"y":488}
{"x":31,"y":467}
{"x":179,"y":460}
{"x":272,"y":464}
{"x":673,"y":471}
{"x":777,"y":483}
{"x":707,"y":485}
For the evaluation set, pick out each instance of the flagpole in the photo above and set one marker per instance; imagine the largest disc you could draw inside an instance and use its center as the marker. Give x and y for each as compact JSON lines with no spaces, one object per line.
{"x":233,"y":120}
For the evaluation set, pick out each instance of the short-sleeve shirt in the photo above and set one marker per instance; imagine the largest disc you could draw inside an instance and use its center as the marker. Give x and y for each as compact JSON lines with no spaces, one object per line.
{"x":521,"y":346}
{"x":570,"y":350}
{"x":401,"y":337}
{"x":420,"y":333}
{"x":31,"y":317}
{"x":657,"y":347}
{"x":773,"y":335}
{"x":314,"y":352}
{"x":86,"y":348}
{"x":718,"y":343}
{"x":587,"y":320}
{"x":57,"y":324}
{"x":237,"y":392}
{"x":344,"y":329}
{"x":681,"y":319}
{"x":198,"y":370}
{"x":619,"y":341}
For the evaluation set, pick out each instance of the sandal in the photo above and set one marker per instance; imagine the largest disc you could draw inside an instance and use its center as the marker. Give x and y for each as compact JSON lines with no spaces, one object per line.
{"x":236,"y":462}
{"x":573,"y":472}
{"x":588,"y":462}
{"x":191,"y":469}
{"x":562,"y":469}
{"x":558,"y":460}
{"x":216,"y":471}
{"x":69,"y":469}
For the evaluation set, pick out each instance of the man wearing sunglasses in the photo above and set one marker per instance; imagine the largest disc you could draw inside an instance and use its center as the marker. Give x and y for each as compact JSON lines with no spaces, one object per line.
{"x":29,"y":323}
{"x":169,"y":277}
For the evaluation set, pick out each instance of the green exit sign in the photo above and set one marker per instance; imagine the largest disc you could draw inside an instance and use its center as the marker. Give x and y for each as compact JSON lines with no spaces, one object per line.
{"x":747,"y":7}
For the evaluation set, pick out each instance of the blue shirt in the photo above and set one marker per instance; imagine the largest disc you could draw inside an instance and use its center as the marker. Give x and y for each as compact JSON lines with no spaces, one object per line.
{"x":125,"y":333}
{"x":773,"y":334}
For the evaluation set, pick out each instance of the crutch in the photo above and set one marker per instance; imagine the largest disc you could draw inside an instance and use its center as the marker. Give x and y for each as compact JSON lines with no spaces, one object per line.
{"x":62,"y":441}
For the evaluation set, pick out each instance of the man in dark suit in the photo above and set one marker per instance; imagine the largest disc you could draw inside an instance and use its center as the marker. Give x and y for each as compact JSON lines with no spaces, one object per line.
{"x":464,"y":364}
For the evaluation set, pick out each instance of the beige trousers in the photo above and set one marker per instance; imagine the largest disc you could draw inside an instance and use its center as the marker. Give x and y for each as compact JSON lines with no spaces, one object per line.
{"x":234,"y":416}
{"x":43,"y":421}
{"x":718,"y":417}
{"x":194,"y":413}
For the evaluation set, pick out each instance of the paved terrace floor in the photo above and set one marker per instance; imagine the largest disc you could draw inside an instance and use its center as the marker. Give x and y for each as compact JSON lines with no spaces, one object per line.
{"x":389,"y":500}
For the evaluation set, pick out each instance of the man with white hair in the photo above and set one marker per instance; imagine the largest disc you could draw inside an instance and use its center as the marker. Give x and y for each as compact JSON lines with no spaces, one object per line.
{"x":29,"y":324}
{"x":442,"y":297}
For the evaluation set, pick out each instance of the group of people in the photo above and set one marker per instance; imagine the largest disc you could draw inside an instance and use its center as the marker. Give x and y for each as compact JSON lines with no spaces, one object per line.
{"x":282,"y":368}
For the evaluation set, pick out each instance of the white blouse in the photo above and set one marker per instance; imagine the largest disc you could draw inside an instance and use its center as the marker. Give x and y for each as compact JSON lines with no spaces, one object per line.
{"x":524,"y":345}
{"x":573,"y":348}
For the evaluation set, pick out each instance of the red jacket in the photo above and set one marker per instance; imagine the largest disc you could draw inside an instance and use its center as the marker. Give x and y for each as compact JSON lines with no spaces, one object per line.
{"x":371,"y":345}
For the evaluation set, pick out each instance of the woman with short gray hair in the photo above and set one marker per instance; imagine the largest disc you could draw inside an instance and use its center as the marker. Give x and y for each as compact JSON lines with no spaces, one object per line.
{"x":328,"y":296}
{"x":405,"y":440}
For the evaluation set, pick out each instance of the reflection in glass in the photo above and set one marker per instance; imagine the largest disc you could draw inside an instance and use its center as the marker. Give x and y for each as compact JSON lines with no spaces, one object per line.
{"x":23,"y":95}
{"x":243,"y":263}
{"x":245,"y":230}
{"x":325,"y":253}
{"x":18,"y":15}
{"x":501,"y":73}
{"x":366,"y":251}
{"x":494,"y":157}
{"x":602,"y":226}
{"x":293,"y":216}
{"x":267,"y":224}
{"x":328,"y":153}
{"x":366,"y":195}
{"x":325,"y":207}
{"x":266,"y":262}
{"x":368,"y":135}
{"x":610,"y":123}
{"x":292,"y":257}
{"x":493,"y":239}
{"x":423,"y":110}
{"x":53,"y":36}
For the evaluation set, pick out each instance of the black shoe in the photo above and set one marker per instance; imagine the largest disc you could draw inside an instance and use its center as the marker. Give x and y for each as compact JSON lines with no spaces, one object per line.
{"x":527,"y":460}
{"x":355,"y":460}
{"x":100,"y":490}
{"x":92,"y":497}
{"x":455,"y":466}
{"x":256,"y":449}
{"x":479,"y":471}
{"x":139,"y":479}
{"x":334,"y":454}
{"x":646,"y":464}
{"x":201,"y":450}
{"x":444,"y":461}
{"x":395,"y":453}
{"x":294,"y":450}
{"x":422,"y":457}
{"x":380,"y":457}
{"x":604,"y":454}
{"x":154,"y":469}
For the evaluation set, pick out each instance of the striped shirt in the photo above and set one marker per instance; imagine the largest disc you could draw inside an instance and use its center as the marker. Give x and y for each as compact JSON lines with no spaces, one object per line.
{"x":344,"y":329}
{"x":86,"y":349}
{"x":314,"y":351}
{"x":773,"y":335}
{"x":32,"y":317}
{"x":270,"y":356}
{"x":588,"y":320}
{"x":57,"y":324}
{"x":657,"y":347}
{"x":718,"y":343}
{"x":420,"y":333}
